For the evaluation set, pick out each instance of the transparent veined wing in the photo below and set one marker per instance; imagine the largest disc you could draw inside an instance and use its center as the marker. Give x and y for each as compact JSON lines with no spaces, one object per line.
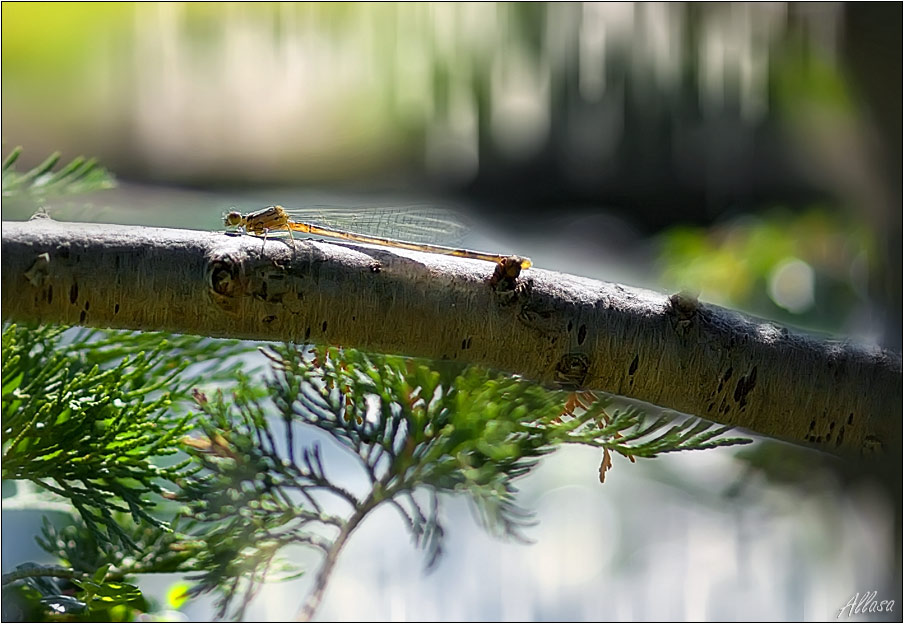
{"x":415,"y":223}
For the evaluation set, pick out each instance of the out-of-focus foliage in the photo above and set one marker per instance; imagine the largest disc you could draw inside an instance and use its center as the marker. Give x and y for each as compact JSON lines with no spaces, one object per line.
{"x":69,"y":27}
{"x":579,"y":97}
{"x":810,"y":79}
{"x":79,"y":176}
{"x":90,"y":584}
{"x":70,"y":597}
{"x":806,"y":268}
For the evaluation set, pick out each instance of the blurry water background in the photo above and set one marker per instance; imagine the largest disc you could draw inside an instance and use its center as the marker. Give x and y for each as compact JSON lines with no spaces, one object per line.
{"x":749,"y":151}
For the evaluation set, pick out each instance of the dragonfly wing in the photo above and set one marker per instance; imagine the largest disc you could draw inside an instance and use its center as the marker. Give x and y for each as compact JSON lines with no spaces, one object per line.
{"x":412,"y":223}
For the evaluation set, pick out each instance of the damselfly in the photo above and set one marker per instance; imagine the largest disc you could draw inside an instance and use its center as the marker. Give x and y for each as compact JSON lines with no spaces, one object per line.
{"x":388,"y":223}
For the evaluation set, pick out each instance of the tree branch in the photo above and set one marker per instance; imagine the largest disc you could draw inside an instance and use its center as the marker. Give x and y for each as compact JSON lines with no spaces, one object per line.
{"x":553,"y":328}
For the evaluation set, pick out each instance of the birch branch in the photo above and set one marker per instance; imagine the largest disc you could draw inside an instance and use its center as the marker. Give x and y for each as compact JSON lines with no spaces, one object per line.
{"x":557,"y":329}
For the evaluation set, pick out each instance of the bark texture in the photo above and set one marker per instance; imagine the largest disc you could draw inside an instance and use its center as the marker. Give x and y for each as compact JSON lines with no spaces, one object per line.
{"x":556,"y":329}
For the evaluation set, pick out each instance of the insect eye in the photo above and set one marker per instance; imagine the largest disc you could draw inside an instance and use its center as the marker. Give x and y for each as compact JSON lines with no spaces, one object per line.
{"x":233,"y":218}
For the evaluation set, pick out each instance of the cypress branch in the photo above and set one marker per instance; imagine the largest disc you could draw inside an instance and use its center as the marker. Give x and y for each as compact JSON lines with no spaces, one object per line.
{"x":557,"y":329}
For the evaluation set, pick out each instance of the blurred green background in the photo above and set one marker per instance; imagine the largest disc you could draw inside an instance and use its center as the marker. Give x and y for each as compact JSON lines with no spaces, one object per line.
{"x":748,"y":151}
